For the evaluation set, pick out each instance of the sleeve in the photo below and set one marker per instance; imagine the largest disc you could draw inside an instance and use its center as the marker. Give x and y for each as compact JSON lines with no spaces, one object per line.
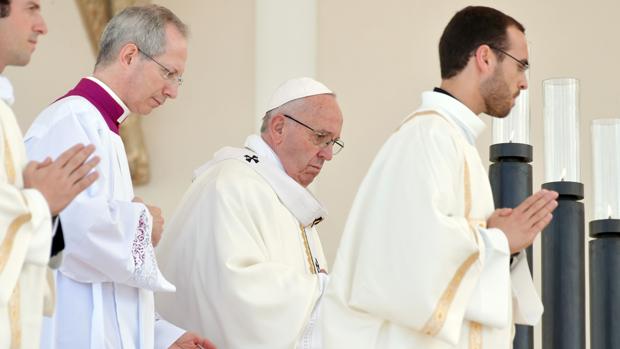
{"x":488,"y":303}
{"x":166,"y":333}
{"x":418,"y":259}
{"x":106,"y":239}
{"x":25,"y":223}
{"x":527,"y":306}
{"x":258,"y":300}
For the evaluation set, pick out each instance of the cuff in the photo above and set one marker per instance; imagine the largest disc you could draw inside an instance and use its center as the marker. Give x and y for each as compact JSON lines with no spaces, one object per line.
{"x":166,"y":333}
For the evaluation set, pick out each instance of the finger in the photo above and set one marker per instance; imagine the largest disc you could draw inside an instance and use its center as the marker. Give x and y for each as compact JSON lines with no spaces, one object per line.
{"x":46,"y":162}
{"x":504,"y":212}
{"x":84,"y":183}
{"x":542,"y":213}
{"x":78,"y":159}
{"x":31,"y":166}
{"x":84,"y":169}
{"x":63,"y":158}
{"x":138,"y":199}
{"x":538,"y":227}
{"x":540,"y":203}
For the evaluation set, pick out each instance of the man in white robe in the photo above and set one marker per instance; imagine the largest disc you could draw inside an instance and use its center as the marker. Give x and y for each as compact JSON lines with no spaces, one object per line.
{"x":109,"y":273}
{"x":242,"y":248}
{"x":425,"y":261}
{"x":30,"y":193}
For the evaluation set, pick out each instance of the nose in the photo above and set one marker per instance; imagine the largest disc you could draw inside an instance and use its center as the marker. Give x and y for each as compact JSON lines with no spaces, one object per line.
{"x":327,"y":153}
{"x":524,"y":83}
{"x":40,"y":26}
{"x":171,"y":89}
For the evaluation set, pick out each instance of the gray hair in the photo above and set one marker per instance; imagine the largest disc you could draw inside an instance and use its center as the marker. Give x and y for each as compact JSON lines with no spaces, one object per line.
{"x":295,"y":106}
{"x":291,"y":107}
{"x":144,"y":26}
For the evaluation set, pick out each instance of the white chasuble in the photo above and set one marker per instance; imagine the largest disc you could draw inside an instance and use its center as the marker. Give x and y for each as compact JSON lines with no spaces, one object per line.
{"x":25,"y":242}
{"x":106,"y":281}
{"x":416,"y":266}
{"x":244,"y":254}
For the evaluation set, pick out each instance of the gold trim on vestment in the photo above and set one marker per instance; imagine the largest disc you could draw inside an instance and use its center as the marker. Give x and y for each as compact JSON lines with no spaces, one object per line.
{"x":308,"y":250}
{"x":435,"y":323}
{"x":408,"y":118}
{"x":438,"y":318}
{"x":8,"y":160}
{"x":467,"y":189}
{"x":15,"y":318}
{"x":475,"y":335}
{"x":9,"y":238}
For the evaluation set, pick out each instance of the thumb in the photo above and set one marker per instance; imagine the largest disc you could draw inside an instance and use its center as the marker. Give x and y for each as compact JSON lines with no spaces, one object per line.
{"x":504,"y":212}
{"x":138,"y":199}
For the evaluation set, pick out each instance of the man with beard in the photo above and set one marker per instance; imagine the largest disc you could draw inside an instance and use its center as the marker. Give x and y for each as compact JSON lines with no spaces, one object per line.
{"x":425,"y":261}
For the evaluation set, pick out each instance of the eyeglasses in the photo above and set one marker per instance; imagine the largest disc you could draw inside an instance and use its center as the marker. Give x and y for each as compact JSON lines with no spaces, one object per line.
{"x":321,"y":138}
{"x":524,"y":65}
{"x":174,"y":77}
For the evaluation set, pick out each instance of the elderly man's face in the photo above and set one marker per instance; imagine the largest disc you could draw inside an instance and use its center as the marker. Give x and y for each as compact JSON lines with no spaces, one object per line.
{"x":19,"y":32}
{"x":301,"y":157}
{"x":150,"y":88}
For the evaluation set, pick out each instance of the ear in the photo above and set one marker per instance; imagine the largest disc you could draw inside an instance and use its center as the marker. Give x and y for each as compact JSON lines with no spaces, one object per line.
{"x":485,"y":59}
{"x":128,"y":54}
{"x":276,"y":128}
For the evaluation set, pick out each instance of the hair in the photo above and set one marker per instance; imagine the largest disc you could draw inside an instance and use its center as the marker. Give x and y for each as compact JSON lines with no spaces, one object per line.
{"x":290,"y":107}
{"x":467,"y":30}
{"x":144,"y":26}
{"x":5,"y":8}
{"x":295,"y":106}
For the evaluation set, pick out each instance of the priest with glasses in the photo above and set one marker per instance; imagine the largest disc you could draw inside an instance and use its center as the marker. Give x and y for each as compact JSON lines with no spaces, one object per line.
{"x":242,"y":248}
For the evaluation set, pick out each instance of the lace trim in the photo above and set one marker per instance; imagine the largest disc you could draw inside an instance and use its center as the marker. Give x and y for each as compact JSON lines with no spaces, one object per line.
{"x":145,"y":265}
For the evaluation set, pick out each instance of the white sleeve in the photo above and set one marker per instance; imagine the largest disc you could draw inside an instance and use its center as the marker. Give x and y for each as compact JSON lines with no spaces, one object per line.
{"x":106,"y":239}
{"x":166,"y":333}
{"x":487,"y":304}
{"x":526,"y":304}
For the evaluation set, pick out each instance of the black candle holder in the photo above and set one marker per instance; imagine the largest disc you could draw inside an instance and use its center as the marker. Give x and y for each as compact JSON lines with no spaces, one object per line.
{"x":563,"y":270}
{"x":510,"y":175}
{"x":604,"y":283}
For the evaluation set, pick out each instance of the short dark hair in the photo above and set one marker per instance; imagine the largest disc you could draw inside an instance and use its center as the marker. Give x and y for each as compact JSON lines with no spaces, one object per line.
{"x":467,"y":30}
{"x":5,"y":8}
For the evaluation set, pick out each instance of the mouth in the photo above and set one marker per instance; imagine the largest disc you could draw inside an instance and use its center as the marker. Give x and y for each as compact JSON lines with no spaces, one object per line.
{"x":315,"y":167}
{"x":157,"y":102}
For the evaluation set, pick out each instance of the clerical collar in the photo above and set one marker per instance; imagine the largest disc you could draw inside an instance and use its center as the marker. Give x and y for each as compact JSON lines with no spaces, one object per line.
{"x":258,"y":145}
{"x":113,"y":110}
{"x":458,"y":113}
{"x":441,"y":90}
{"x":6,"y":90}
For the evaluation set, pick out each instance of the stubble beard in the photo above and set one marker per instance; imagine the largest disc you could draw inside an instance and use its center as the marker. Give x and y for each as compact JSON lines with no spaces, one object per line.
{"x":496,"y":94}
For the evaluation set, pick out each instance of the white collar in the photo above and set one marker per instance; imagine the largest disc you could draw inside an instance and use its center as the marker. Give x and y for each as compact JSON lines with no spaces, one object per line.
{"x":258,"y":145}
{"x":297,"y":199}
{"x":458,"y":113}
{"x":112,"y":94}
{"x":6,"y":90}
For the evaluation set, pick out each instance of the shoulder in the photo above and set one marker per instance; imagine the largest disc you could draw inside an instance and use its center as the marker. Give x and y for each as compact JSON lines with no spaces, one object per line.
{"x":427,"y":128}
{"x":73,"y":111}
{"x":232,"y":175}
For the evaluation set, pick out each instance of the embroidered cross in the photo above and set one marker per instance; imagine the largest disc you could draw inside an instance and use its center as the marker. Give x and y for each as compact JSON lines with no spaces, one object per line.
{"x":249,"y":158}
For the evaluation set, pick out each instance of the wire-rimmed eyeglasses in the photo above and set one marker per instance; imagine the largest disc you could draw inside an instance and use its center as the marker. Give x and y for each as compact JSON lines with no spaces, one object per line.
{"x":169,"y":75}
{"x":321,"y":138}
{"x":524,"y":65}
